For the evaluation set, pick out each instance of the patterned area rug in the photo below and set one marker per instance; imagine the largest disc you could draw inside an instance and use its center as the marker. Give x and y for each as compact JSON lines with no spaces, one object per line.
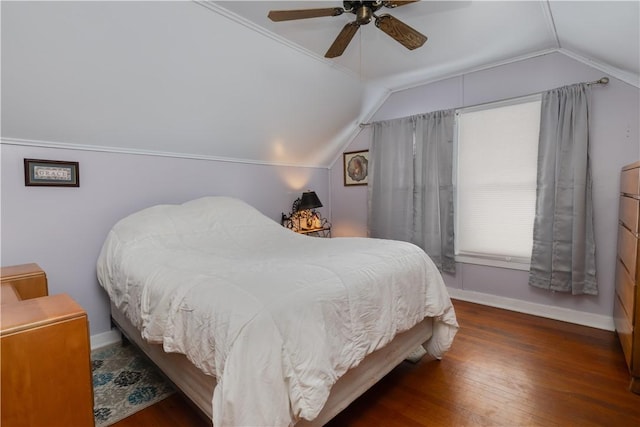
{"x":124,"y":382}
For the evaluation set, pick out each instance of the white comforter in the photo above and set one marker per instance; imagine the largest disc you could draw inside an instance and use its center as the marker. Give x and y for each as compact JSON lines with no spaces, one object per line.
{"x":277,"y":317}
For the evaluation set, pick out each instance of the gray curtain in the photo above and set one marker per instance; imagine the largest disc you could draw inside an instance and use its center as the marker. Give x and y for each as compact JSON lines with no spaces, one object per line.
{"x":563,"y":255}
{"x":390,"y":188}
{"x":410,"y":183}
{"x":433,"y":209}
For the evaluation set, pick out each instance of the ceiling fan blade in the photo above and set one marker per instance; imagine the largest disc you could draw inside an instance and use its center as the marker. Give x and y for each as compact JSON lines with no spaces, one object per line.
{"x":342,"y":41}
{"x":392,"y":4}
{"x":289,"y":15}
{"x":401,"y":32}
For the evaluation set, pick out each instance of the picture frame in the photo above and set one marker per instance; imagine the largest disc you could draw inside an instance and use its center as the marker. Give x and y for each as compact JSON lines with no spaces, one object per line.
{"x":356,"y":168}
{"x":51,"y":173}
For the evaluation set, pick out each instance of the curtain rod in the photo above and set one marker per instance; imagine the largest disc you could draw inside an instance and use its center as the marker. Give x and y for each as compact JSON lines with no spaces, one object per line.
{"x":600,"y":81}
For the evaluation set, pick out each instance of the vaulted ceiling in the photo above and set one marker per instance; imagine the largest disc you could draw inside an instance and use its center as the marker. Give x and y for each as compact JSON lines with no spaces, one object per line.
{"x":220,"y":80}
{"x":462,"y":34}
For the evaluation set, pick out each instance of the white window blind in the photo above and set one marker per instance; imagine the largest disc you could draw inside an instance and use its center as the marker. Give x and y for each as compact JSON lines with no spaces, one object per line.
{"x":497,"y":150}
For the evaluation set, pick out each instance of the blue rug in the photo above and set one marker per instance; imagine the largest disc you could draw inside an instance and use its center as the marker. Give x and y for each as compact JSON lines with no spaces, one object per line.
{"x":124,"y":382}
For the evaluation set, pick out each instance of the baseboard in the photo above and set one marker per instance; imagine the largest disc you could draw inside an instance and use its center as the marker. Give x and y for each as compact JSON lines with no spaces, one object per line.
{"x":557,"y":313}
{"x":105,"y":338}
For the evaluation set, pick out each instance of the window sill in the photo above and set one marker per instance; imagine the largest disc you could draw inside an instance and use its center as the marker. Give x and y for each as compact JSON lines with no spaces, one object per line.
{"x":493,"y":262}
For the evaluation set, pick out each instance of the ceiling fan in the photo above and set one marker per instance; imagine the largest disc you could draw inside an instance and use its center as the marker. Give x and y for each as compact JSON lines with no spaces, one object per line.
{"x":364,"y":11}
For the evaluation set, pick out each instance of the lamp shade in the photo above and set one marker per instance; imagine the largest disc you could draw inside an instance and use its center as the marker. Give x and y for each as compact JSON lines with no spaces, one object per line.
{"x":309,"y":200}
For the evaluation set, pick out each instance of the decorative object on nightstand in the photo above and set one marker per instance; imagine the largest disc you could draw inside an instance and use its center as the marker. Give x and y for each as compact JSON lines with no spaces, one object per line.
{"x":626,"y":312}
{"x":304,"y":219}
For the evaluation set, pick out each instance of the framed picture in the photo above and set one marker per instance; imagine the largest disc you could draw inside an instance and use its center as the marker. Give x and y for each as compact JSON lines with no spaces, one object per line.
{"x":51,"y":173}
{"x":356,"y":167}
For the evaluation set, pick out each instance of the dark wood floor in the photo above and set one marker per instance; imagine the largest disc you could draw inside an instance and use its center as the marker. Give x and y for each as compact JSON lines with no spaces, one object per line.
{"x":504,"y":369}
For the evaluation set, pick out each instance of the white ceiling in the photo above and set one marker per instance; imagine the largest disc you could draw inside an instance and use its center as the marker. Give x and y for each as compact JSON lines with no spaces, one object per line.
{"x":462,"y":34}
{"x":220,"y":80}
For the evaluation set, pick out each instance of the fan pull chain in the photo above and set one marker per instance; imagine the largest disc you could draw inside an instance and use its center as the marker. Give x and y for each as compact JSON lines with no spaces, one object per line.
{"x":361,"y":77}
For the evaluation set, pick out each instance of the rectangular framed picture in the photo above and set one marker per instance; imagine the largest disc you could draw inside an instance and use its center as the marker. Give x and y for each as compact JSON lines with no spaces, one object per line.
{"x":356,"y":167}
{"x":51,"y":173}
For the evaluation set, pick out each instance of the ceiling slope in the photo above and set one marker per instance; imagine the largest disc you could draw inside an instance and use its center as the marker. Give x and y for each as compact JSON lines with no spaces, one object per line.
{"x":463,"y":35}
{"x":218,"y":79}
{"x":603,"y":32}
{"x":166,"y":77}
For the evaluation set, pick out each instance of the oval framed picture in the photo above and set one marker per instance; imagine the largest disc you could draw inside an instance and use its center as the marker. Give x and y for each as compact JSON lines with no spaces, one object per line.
{"x":356,"y":167}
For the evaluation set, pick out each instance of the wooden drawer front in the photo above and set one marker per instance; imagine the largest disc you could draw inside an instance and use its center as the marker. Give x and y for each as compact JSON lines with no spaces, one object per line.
{"x":629,"y":213}
{"x":630,"y":181}
{"x":46,"y":376}
{"x":624,"y":329}
{"x":626,"y":291}
{"x":628,"y":250}
{"x":45,"y":364}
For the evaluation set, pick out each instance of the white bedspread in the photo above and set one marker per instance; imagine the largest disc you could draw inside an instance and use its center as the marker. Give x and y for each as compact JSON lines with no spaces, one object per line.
{"x":277,"y":317}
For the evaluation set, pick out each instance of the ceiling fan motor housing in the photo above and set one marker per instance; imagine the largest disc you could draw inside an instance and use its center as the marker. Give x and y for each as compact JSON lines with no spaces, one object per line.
{"x":363,"y":15}
{"x":362,"y":9}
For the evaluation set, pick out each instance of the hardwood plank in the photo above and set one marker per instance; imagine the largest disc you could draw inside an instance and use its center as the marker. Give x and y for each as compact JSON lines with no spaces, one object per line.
{"x":504,"y":369}
{"x":173,"y":411}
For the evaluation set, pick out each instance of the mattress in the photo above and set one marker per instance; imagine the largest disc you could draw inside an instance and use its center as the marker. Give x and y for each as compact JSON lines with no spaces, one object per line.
{"x":229,"y":288}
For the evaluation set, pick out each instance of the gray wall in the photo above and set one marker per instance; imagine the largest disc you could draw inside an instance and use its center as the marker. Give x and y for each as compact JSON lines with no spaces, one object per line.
{"x":62,"y":229}
{"x":615,"y":142}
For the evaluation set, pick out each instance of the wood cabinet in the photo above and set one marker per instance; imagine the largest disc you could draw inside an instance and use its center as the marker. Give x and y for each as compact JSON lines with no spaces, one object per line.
{"x":27,"y":280}
{"x":627,"y":302}
{"x":45,"y":365}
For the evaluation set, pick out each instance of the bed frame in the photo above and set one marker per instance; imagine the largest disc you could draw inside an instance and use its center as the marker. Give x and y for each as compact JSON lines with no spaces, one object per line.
{"x":198,"y":387}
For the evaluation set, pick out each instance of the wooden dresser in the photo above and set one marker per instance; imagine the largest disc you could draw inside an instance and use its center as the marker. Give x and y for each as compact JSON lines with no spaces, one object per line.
{"x":45,"y":366}
{"x":627,"y":302}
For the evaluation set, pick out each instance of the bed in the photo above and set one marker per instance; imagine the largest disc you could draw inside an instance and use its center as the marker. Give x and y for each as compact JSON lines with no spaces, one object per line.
{"x":260,"y":326}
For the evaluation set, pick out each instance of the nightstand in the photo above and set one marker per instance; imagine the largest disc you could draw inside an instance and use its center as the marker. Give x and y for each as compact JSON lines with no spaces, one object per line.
{"x":317,"y":232}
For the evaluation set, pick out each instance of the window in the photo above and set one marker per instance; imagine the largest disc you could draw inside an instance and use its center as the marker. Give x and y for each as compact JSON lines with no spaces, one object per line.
{"x":495,"y":173}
